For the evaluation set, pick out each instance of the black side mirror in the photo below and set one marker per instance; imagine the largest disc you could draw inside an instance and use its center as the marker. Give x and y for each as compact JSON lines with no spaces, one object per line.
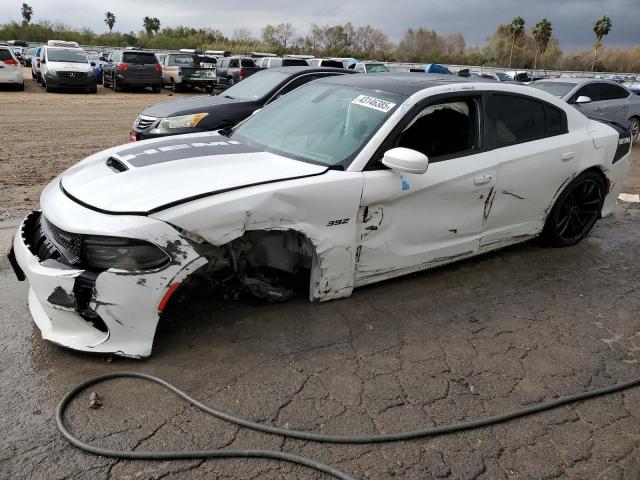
{"x":93,"y":64}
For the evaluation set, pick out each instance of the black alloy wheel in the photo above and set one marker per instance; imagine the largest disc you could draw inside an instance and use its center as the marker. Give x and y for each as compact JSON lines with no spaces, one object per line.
{"x":576,"y":210}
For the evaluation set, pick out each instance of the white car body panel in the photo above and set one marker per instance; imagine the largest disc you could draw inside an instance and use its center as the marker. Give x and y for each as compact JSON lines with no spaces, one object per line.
{"x":358,"y":226}
{"x":11,"y":74}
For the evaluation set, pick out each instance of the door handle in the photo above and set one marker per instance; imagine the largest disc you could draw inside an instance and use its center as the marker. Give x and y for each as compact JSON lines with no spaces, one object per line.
{"x":482,"y":179}
{"x":567,"y":156}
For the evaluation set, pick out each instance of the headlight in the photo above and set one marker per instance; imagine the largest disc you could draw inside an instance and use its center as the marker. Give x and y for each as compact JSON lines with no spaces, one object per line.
{"x":122,"y":253}
{"x":182,"y":121}
{"x":51,"y":71}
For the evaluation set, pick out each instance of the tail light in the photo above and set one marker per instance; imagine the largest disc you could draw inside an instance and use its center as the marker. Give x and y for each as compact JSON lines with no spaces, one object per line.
{"x":157,"y":68}
{"x":241,"y":73}
{"x":11,"y":61}
{"x":122,"y":66}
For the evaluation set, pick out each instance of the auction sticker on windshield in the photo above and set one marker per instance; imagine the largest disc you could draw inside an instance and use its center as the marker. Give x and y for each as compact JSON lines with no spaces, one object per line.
{"x":373,"y":102}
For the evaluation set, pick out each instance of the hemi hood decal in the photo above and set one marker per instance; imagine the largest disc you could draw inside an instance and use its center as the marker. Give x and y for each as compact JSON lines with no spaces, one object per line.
{"x":166,"y":173}
{"x":173,"y":149}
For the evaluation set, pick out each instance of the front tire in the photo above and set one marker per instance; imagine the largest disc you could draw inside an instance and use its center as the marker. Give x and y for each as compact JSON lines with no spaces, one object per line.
{"x":576,"y":210}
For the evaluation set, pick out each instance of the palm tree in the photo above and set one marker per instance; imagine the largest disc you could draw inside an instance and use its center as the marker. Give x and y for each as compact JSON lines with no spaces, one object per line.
{"x":155,"y":25}
{"x":27,"y":13}
{"x":110,"y":20}
{"x":601,"y":27}
{"x":147,"y":23}
{"x":515,"y":29}
{"x":542,"y":34}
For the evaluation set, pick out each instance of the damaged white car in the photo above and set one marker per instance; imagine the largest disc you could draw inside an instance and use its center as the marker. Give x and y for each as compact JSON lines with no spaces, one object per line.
{"x":344,"y":182}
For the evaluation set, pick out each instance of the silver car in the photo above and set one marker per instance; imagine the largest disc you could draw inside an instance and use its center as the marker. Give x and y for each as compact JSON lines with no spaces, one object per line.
{"x":598,"y":99}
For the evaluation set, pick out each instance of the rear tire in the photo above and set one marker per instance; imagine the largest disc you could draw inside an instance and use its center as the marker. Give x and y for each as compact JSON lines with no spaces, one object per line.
{"x":174,"y":86}
{"x":230,"y":82}
{"x":105,"y":84}
{"x":576,"y":210}
{"x":635,"y":129}
{"x":116,"y":87}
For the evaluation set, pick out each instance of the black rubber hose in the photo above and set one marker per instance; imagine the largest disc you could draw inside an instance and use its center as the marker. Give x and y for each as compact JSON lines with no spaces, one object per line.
{"x":315,"y":437}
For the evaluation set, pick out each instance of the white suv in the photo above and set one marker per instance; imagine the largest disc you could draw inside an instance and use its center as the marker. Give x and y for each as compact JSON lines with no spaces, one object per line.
{"x":66,"y":67}
{"x":10,"y":69}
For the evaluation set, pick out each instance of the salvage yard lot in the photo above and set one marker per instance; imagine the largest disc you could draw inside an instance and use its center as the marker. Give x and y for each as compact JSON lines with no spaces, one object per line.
{"x":461,"y":342}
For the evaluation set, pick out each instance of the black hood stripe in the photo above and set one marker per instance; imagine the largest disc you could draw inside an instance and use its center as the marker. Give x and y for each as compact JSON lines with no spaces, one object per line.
{"x":179,"y":149}
{"x":187,"y":199}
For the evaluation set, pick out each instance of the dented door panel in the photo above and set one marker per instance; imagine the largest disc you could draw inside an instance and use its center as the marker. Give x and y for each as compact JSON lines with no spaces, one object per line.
{"x":410,"y":222}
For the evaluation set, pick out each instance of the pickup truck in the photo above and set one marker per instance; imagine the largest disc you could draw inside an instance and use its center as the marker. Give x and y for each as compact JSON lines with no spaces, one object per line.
{"x":180,"y":70}
{"x":231,"y":70}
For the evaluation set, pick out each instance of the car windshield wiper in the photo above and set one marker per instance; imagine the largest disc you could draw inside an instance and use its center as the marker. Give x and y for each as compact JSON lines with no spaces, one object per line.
{"x":226,"y":131}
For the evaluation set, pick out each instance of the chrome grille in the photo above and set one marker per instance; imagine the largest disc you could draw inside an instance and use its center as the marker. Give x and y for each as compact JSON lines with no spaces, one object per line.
{"x":144,"y":122}
{"x":72,"y":74}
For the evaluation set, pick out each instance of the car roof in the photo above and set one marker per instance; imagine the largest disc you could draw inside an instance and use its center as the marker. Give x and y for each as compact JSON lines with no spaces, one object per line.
{"x":402,"y":83}
{"x":576,"y":80}
{"x":144,"y":51}
{"x":302,"y":69}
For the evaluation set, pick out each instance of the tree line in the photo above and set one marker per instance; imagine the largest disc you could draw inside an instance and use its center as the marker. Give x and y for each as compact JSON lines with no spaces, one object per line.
{"x":512,"y":45}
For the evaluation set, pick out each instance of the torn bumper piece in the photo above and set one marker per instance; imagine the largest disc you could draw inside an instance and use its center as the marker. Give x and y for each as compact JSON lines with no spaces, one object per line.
{"x":105,"y":312}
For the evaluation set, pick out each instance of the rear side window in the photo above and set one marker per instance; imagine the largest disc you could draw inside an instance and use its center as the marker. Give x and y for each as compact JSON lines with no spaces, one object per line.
{"x":140,"y":58}
{"x":555,"y":120}
{"x":233,"y":64}
{"x":247,"y":62}
{"x":5,"y":55}
{"x":512,"y":119}
{"x":609,"y":91}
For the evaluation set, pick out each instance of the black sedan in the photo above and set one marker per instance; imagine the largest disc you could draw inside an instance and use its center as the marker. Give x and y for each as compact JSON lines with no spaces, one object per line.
{"x":213,"y":112}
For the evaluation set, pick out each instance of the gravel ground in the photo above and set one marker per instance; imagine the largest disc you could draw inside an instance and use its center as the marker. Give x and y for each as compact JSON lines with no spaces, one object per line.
{"x":472,"y":339}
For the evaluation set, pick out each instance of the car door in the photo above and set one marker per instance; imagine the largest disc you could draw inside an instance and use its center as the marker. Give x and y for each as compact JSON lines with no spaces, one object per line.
{"x":615,"y":102}
{"x":408,"y":222}
{"x":536,"y":157}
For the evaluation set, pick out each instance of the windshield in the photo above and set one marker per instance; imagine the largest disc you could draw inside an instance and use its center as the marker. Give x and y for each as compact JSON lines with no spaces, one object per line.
{"x":559,"y":89}
{"x":256,"y":86}
{"x":319,"y":123}
{"x":376,"y":68}
{"x":503,"y":77}
{"x":71,"y":56}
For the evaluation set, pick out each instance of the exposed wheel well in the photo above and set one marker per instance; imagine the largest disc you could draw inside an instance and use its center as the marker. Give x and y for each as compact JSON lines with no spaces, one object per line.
{"x":269,"y":264}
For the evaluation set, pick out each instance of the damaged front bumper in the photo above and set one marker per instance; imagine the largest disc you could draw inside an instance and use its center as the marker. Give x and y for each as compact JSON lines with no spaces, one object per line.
{"x":110,"y":311}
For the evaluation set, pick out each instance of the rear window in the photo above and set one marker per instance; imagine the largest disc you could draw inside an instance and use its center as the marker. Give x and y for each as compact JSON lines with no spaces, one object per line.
{"x":140,"y":58}
{"x":5,"y":55}
{"x":294,"y":62}
{"x":185,"y":60}
{"x":248,"y":62}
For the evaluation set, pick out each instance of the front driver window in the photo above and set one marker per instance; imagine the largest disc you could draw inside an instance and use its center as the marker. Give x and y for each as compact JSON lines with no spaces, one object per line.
{"x":442,"y":129}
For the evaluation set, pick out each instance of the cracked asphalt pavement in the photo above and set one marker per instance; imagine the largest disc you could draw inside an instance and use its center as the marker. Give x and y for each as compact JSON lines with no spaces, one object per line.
{"x":472,"y":339}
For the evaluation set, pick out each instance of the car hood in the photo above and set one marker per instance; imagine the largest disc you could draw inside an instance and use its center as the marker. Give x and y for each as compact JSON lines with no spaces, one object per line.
{"x":188,"y":105}
{"x":69,"y":66}
{"x":153,"y":175}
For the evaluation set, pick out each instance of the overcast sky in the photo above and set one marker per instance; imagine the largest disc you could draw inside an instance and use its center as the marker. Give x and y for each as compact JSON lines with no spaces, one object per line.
{"x":475,"y":19}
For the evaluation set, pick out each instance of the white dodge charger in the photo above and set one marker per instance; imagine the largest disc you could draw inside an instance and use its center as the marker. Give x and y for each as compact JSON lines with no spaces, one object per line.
{"x":344,"y":182}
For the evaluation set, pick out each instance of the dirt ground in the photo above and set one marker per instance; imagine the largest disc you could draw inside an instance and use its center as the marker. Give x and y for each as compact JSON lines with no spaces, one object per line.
{"x":45,"y":133}
{"x":465,"y":341}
